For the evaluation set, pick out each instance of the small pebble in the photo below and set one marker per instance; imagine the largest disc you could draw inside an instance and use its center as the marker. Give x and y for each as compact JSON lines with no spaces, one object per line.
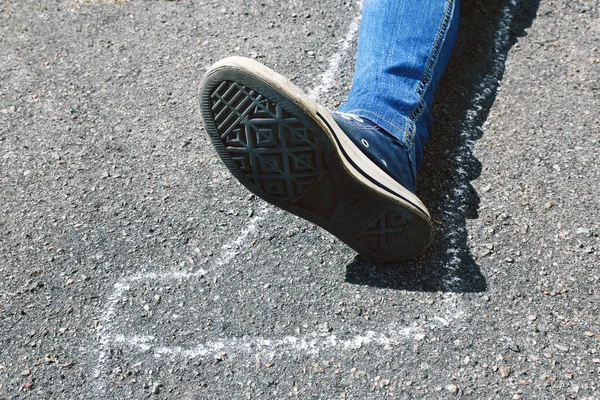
{"x":584,"y":232}
{"x":156,"y":387}
{"x":452,"y":389}
{"x":561,"y":347}
{"x":50,"y":358}
{"x":505,"y":372}
{"x":513,"y":347}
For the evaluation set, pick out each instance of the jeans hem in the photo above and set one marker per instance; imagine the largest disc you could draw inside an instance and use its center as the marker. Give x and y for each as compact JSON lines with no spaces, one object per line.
{"x":381,"y":122}
{"x":392,"y":130}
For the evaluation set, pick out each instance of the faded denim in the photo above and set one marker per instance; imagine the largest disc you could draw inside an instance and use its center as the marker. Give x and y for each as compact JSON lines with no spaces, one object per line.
{"x":403,"y":48}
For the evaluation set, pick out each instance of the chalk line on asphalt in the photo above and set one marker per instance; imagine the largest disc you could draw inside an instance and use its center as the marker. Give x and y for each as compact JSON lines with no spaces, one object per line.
{"x":228,"y":250}
{"x":311,"y":343}
{"x":328,"y":78}
{"x":457,"y":202}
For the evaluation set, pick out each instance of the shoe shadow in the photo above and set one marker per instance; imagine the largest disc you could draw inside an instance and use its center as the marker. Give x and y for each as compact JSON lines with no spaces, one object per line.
{"x":466,"y":92}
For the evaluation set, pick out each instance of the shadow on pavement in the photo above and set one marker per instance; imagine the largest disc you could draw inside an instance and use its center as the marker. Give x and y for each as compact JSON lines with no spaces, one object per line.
{"x":488,"y":30}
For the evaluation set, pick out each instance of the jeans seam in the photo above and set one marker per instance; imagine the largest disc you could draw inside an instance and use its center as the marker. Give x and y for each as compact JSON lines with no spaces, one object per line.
{"x":423,"y":85}
{"x":376,"y":115}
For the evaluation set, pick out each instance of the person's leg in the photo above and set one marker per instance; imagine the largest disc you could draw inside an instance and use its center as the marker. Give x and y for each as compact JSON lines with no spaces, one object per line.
{"x":353,"y":172}
{"x":403,"y":48}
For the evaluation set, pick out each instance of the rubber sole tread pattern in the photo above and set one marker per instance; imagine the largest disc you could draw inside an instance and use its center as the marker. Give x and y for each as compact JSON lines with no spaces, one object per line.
{"x":280,"y":152}
{"x":276,"y":151}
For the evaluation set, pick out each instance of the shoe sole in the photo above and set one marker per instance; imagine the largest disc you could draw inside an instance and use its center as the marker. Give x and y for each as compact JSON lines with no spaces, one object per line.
{"x":288,"y":150}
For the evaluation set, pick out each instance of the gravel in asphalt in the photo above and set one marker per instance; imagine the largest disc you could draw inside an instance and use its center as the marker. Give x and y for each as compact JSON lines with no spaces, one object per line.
{"x":133,"y":265}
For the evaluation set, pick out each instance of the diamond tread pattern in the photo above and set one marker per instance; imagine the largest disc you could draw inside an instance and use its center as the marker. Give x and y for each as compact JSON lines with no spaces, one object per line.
{"x":388,"y":228}
{"x":278,"y":154}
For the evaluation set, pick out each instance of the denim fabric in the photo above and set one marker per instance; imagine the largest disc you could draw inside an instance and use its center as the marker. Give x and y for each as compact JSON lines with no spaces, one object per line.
{"x":403,"y":48}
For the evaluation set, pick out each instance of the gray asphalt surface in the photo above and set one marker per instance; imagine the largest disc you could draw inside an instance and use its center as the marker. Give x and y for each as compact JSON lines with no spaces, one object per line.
{"x":133,"y":266}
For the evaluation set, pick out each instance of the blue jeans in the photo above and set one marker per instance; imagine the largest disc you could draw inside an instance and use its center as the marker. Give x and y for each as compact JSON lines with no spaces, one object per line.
{"x":403,"y":48}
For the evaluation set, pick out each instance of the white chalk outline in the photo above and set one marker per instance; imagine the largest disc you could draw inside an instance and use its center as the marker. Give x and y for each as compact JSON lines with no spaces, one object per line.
{"x":123,"y":285}
{"x":313,"y":342}
{"x":456,"y":204}
{"x":310,"y":343}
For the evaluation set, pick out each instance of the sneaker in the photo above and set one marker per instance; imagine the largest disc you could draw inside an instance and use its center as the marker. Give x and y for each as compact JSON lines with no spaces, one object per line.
{"x":293,"y":153}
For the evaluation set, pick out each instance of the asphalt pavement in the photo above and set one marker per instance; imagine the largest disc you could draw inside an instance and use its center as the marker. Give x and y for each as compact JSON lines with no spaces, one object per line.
{"x":133,"y":266}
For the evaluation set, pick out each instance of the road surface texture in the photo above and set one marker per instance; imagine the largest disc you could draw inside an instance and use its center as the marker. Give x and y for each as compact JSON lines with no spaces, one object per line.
{"x":133,"y":266}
